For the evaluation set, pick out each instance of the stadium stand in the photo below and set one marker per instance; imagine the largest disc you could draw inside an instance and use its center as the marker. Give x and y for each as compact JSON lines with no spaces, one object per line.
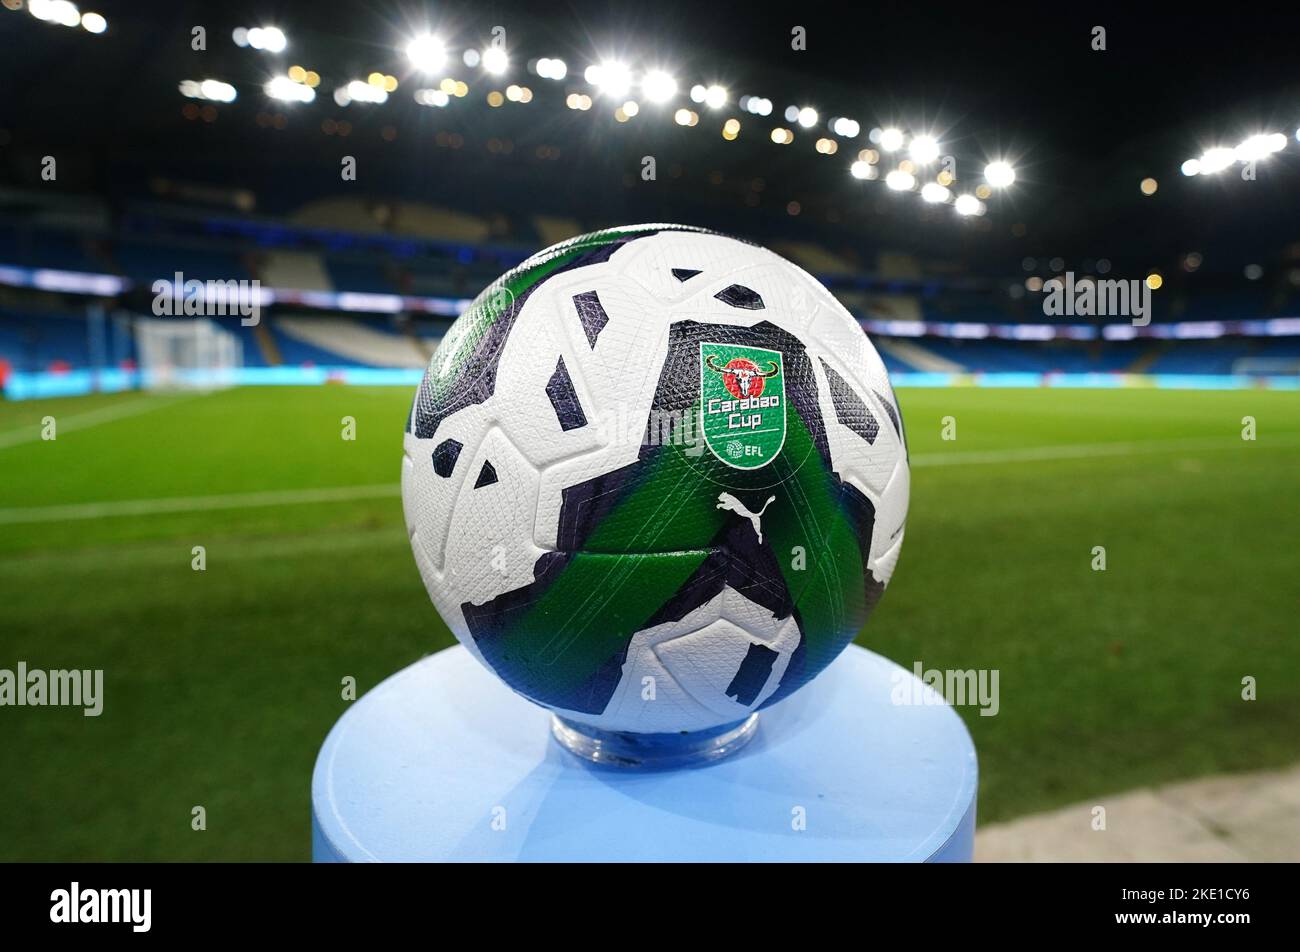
{"x":426,"y":221}
{"x":145,"y":263}
{"x":345,"y":341}
{"x":55,"y":340}
{"x":813,"y":258}
{"x":927,"y":317}
{"x":342,"y":213}
{"x":552,"y":230}
{"x":1200,"y":357}
{"x":903,"y":354}
{"x":296,"y":269}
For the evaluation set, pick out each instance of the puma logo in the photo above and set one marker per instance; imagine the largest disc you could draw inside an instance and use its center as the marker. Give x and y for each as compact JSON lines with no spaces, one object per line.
{"x":731,"y":503}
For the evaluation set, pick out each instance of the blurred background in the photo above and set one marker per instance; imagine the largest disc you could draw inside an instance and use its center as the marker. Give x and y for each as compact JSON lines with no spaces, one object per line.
{"x":358,"y":172}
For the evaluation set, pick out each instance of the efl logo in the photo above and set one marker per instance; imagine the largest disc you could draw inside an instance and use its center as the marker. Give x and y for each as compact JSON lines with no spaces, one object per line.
{"x":742,"y":403}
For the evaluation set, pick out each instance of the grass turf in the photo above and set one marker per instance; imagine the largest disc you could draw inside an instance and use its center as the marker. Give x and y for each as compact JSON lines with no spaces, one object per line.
{"x":220,"y":685}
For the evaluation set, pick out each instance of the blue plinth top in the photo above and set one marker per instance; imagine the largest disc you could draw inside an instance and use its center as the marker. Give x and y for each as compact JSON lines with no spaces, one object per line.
{"x":443,"y":762}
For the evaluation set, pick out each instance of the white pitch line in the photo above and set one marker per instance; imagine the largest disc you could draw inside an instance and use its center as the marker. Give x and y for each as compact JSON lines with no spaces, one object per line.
{"x":80,"y":421}
{"x":295,"y":497}
{"x":1031,"y":454}
{"x":153,"y":507}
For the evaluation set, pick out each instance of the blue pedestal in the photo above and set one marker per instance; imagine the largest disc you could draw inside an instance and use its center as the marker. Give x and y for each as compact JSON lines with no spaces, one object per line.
{"x":443,"y":762}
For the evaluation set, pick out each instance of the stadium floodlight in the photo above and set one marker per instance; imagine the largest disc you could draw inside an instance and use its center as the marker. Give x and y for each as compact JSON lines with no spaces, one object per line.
{"x":847,"y":128}
{"x":269,"y":39}
{"x":697,"y":93}
{"x":612,"y":78}
{"x":93,"y":23}
{"x":924,"y":150}
{"x":62,"y":12}
{"x":715,"y":97}
{"x":284,"y":88}
{"x":891,"y":140}
{"x":658,"y":86}
{"x":432,"y":97}
{"x":1192,"y":167}
{"x":863,"y":170}
{"x":495,"y":60}
{"x":361,"y":91}
{"x":426,"y":53}
{"x":900,"y":181}
{"x":967,"y":204}
{"x":999,"y":174}
{"x":217,"y":91}
{"x":1217,"y":159}
{"x":807,"y":117}
{"x":1260,"y":146}
{"x":934,"y":192}
{"x":550,"y":68}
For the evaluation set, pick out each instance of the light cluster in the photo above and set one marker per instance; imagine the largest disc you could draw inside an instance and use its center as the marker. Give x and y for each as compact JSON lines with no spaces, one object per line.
{"x":290,"y":89}
{"x":914,"y":157}
{"x":923,"y":150}
{"x":1252,"y":149}
{"x":715,"y":96}
{"x":550,"y":68}
{"x":268,"y":39}
{"x":611,"y":78}
{"x":65,"y":13}
{"x":213,"y":90}
{"x":374,"y":89}
{"x":426,"y":53}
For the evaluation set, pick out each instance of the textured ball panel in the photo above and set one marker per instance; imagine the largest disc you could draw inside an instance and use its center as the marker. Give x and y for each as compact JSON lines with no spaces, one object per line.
{"x":655,"y":478}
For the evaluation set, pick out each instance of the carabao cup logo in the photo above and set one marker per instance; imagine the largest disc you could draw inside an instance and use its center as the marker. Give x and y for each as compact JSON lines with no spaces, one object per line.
{"x":742,"y":403}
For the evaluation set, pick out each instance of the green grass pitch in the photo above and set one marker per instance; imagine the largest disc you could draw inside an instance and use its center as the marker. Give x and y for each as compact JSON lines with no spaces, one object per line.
{"x":220,"y":685}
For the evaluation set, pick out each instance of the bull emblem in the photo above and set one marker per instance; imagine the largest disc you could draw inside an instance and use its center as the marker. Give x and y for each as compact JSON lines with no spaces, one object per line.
{"x":744,"y":376}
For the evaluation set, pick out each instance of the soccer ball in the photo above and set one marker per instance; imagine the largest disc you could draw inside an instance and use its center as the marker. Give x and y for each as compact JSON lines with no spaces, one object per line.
{"x":655,"y":478}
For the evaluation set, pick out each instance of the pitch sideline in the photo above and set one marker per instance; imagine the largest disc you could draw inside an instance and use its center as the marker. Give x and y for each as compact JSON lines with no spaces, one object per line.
{"x":31,"y":432}
{"x":292,"y":497}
